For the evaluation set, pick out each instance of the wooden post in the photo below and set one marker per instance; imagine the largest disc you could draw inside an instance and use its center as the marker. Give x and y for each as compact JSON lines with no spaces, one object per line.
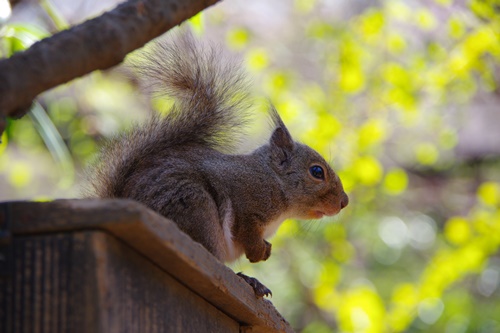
{"x":115,"y":266}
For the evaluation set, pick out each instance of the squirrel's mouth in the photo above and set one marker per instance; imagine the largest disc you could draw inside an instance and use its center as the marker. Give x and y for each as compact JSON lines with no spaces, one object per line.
{"x":321,"y":212}
{"x":317,"y":214}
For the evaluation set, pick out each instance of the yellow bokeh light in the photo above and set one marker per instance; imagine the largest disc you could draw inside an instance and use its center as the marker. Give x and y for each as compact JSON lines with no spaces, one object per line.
{"x":237,"y":38}
{"x":426,"y":153}
{"x":489,"y":193}
{"x":395,"y":181}
{"x":368,"y":170}
{"x":257,"y":59}
{"x":457,"y":230}
{"x":361,"y":310}
{"x":20,"y":174}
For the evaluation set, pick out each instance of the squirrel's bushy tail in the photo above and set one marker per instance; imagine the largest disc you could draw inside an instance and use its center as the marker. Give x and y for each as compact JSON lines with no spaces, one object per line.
{"x":209,"y":89}
{"x":210,"y":108}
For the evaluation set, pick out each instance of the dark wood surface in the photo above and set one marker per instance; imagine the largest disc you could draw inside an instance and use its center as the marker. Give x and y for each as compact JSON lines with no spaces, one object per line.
{"x":131,"y":234}
{"x":46,"y":286}
{"x":88,"y":281}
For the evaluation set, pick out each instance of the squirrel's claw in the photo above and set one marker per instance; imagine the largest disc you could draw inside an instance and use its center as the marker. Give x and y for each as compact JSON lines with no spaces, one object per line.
{"x":259,"y":289}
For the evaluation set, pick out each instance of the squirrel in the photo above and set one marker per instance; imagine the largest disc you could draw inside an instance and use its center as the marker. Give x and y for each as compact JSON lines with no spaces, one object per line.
{"x":183,"y":165}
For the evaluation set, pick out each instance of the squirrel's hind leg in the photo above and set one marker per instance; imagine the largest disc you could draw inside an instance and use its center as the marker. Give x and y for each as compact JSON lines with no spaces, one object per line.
{"x":195,"y":212}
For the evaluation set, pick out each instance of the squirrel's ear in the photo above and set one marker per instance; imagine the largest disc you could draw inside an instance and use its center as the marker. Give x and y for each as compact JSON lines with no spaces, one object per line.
{"x":282,"y":145}
{"x":281,"y":138}
{"x":281,"y":141}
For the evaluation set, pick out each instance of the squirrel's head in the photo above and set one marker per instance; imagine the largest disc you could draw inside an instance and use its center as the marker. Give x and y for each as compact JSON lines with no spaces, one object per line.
{"x":313,"y":188}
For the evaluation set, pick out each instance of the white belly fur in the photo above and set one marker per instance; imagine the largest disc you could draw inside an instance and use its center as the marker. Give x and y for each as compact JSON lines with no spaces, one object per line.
{"x":273,"y":226}
{"x":234,"y":251}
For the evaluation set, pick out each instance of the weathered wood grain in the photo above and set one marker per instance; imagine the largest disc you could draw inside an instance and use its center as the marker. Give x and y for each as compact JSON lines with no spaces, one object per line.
{"x":160,"y":241}
{"x":47,"y":286}
{"x":88,"y":281}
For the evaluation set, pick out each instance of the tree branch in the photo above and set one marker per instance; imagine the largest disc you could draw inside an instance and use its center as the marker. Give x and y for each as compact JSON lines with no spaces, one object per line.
{"x":99,"y":43}
{"x":13,"y":3}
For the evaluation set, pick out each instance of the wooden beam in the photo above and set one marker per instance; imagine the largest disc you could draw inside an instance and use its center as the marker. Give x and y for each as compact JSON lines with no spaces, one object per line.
{"x":159,"y":240}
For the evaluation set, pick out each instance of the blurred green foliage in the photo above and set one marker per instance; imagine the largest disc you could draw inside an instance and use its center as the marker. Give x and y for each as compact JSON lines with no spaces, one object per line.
{"x":382,"y":91}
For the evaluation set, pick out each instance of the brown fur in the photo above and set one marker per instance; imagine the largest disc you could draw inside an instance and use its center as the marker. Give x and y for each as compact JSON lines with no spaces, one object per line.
{"x":181,"y":165}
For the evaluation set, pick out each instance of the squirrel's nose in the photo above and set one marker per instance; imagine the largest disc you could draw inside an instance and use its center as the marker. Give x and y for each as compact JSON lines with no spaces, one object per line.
{"x":344,"y":202}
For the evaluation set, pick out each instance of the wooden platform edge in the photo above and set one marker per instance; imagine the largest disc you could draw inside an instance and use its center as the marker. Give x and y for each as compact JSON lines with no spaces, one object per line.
{"x":159,"y":240}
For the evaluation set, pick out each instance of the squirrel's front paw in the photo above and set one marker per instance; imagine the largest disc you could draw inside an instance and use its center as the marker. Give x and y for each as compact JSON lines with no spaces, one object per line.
{"x":259,"y":253}
{"x":267,"y":253}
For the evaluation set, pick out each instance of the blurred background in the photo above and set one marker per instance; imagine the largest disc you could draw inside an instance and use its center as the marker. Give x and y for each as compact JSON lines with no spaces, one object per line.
{"x":402,"y":97}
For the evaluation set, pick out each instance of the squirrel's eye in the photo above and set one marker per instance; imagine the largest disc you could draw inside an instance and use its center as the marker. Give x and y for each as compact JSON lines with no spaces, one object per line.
{"x":317,"y":172}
